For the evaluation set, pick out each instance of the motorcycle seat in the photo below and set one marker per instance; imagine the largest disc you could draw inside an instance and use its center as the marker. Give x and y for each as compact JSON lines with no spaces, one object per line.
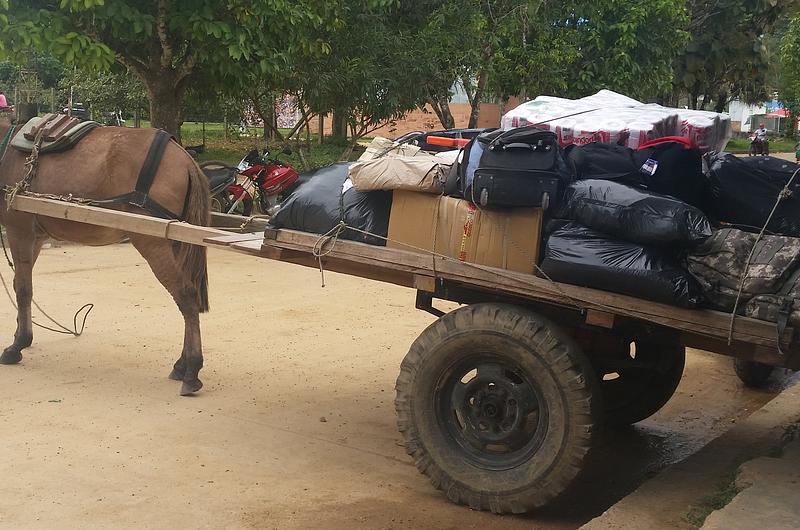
{"x":219,"y":176}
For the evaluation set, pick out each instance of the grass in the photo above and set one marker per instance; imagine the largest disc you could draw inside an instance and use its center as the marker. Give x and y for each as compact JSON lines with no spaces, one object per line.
{"x":231,"y":151}
{"x":776,"y":145}
{"x":717,"y":500}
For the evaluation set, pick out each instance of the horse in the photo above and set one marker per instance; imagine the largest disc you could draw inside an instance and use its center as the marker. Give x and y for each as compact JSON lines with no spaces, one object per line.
{"x":102,"y":165}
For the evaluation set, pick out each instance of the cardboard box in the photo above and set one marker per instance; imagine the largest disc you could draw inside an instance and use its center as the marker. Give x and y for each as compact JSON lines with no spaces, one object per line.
{"x":458,"y":229}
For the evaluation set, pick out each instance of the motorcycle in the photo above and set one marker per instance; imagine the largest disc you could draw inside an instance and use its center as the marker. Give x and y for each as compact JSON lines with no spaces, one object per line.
{"x":758,"y":147}
{"x":220,"y":177}
{"x":267,"y":181}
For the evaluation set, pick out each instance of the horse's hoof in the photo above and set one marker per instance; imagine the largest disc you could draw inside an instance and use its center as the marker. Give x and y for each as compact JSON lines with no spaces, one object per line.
{"x":10,"y":356}
{"x":190,"y":387}
{"x":176,"y":375}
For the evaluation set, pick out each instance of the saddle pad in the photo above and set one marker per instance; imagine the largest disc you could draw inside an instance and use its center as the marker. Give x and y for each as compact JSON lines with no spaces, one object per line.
{"x":63,"y":142}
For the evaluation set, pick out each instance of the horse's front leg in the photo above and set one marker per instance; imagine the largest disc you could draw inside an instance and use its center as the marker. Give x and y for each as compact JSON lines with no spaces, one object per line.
{"x":25,"y":247}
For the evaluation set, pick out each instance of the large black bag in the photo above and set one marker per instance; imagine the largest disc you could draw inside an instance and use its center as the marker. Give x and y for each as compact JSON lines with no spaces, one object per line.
{"x":743,"y":191}
{"x":598,"y":160}
{"x":318,"y":205}
{"x":582,"y":256}
{"x":667,"y":166}
{"x":520,"y":167}
{"x":633,"y":214}
{"x":678,"y":170}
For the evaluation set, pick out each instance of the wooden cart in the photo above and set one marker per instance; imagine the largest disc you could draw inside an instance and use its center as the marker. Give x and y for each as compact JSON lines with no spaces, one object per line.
{"x":498,"y":400}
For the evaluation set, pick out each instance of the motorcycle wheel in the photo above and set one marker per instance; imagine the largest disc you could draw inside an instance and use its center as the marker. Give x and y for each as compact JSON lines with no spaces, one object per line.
{"x":216,"y":204}
{"x":244,"y":208}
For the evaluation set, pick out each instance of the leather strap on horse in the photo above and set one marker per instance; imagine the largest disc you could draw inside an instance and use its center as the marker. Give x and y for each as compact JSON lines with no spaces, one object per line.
{"x":140,"y":196}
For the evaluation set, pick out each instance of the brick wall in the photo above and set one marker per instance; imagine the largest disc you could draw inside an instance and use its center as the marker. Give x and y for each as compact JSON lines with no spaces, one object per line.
{"x":425,"y":119}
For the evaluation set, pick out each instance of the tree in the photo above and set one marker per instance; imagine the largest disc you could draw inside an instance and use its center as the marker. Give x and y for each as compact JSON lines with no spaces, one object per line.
{"x":48,"y":69}
{"x":558,"y":48}
{"x":165,"y":42}
{"x":371,"y":74}
{"x":512,"y":48}
{"x":790,"y":69}
{"x":104,"y":91}
{"x":727,"y":56}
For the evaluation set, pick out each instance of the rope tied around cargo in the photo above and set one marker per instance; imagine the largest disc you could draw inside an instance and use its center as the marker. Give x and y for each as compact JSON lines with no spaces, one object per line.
{"x":325,"y":245}
{"x":784,"y":194}
{"x":326,"y":242}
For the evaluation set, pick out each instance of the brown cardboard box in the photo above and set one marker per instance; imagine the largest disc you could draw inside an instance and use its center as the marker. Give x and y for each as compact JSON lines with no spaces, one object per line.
{"x":504,"y":239}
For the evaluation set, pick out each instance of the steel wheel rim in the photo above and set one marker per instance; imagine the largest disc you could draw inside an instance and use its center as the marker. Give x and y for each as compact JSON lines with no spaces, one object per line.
{"x":492,"y":411}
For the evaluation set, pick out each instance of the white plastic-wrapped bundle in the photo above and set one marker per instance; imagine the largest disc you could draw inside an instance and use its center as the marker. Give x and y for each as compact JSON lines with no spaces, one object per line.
{"x":709,"y":130}
{"x":611,"y":117}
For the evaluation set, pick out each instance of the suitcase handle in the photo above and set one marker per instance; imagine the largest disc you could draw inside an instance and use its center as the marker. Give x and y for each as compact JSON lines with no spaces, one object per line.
{"x":519,"y":145}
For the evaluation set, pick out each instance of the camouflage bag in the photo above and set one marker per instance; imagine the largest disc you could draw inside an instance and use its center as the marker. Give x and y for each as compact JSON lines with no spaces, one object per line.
{"x":774,"y":307}
{"x":718,"y":265}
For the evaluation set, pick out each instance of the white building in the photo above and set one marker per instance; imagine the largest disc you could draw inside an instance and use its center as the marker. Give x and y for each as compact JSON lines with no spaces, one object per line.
{"x":746,"y":116}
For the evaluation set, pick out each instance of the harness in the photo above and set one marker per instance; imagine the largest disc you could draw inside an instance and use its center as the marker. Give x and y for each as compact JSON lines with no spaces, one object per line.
{"x":139,"y":197}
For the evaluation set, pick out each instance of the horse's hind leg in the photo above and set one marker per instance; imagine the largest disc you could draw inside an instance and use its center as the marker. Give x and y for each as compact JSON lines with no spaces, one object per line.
{"x":160,"y":257}
{"x":25,"y":245}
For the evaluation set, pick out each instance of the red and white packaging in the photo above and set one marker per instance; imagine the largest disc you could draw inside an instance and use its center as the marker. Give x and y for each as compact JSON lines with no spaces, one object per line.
{"x":614,"y":118}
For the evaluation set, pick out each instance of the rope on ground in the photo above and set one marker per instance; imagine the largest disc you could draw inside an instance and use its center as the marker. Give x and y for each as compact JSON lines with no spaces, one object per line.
{"x":85,"y":309}
{"x":785,"y":193}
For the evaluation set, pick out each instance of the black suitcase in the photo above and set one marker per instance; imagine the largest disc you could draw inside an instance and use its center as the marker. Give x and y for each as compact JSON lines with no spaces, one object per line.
{"x":521,"y":167}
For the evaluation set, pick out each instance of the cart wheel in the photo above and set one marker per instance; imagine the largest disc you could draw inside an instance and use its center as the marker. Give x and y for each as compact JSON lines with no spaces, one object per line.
{"x":545,"y":201}
{"x":638,"y":379}
{"x":753,"y":374}
{"x":497,"y":407}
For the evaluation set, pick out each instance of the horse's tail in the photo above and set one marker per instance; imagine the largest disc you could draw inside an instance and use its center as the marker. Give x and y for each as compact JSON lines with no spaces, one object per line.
{"x":197,"y":212}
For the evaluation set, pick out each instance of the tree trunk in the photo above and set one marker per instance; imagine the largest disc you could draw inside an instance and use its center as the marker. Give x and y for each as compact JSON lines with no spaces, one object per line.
{"x":339,"y":124}
{"x":441,"y":107}
{"x":483,"y":81}
{"x":166,"y":102}
{"x":722,"y":100}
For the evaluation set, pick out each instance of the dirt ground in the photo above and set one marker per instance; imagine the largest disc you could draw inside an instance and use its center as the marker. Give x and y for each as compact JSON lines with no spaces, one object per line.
{"x":295,"y":427}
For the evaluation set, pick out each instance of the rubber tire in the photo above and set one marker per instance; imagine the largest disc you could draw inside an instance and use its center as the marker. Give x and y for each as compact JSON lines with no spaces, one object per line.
{"x":657,"y":392}
{"x":753,"y":374}
{"x":550,"y":358}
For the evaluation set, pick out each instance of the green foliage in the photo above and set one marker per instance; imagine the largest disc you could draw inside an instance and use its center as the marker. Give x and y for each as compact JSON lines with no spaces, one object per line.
{"x":371,"y":73}
{"x":165,"y":42}
{"x":790,"y":66}
{"x":48,"y":70}
{"x":104,"y":91}
{"x":727,"y":55}
{"x":575,"y":48}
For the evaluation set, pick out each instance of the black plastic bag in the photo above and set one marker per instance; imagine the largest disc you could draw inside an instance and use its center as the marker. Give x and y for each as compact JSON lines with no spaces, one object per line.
{"x":633,"y":214}
{"x":677,"y":170}
{"x":582,"y":256}
{"x":744,"y":191}
{"x":598,"y":160}
{"x":319,"y":204}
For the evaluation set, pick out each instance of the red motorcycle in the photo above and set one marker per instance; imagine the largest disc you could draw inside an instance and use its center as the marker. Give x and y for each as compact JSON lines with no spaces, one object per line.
{"x":267,"y":181}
